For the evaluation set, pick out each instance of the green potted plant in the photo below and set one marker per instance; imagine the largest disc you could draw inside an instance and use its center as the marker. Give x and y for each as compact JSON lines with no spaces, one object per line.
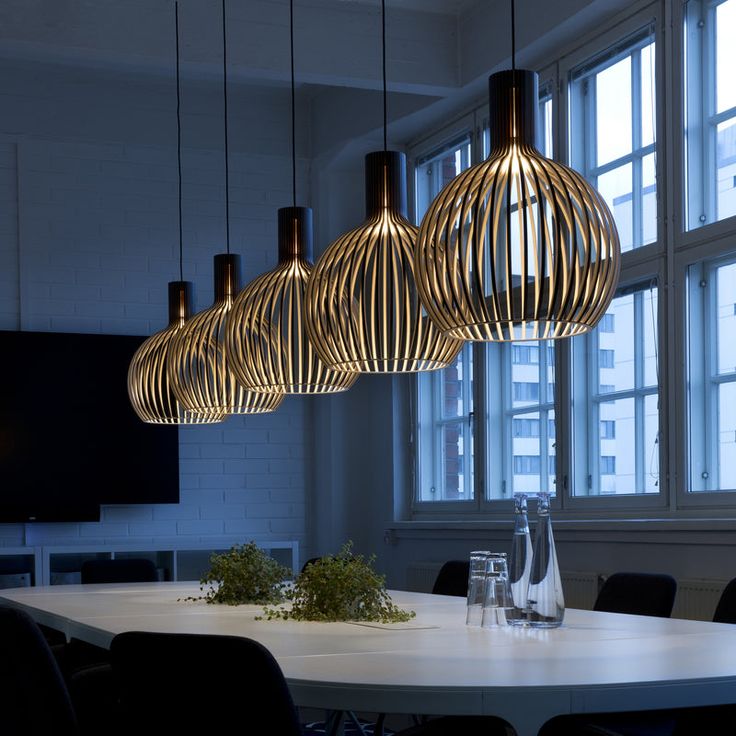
{"x":244,"y":574}
{"x":341,"y":587}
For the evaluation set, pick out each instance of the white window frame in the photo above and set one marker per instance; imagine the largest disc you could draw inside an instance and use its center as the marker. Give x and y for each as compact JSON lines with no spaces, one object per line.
{"x":583,"y":146}
{"x":701,"y":146}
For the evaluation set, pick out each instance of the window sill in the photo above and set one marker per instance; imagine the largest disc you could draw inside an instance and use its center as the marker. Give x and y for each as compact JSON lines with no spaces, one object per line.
{"x":647,"y":530}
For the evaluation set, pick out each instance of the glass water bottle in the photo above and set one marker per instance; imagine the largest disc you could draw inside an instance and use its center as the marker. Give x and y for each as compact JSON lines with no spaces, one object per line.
{"x":545,"y":602}
{"x":520,"y":560}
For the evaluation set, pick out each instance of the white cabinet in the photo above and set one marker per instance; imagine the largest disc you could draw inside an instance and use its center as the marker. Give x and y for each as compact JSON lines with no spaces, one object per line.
{"x":58,"y":565}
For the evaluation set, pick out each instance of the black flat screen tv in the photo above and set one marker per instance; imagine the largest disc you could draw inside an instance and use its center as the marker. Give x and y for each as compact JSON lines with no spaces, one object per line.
{"x":69,"y":438}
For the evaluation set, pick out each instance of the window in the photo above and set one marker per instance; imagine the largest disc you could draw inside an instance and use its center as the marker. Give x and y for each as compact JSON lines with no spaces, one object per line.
{"x":444,"y":453}
{"x":710,"y":115}
{"x":712,"y":375}
{"x":521,"y":419}
{"x":608,"y":429}
{"x":612,"y":109}
{"x":607,"y":323}
{"x":606,"y":357}
{"x":438,"y":169}
{"x":608,"y":465}
{"x":526,"y":464}
{"x":445,"y":432}
{"x":579,"y":418}
{"x":620,"y":397}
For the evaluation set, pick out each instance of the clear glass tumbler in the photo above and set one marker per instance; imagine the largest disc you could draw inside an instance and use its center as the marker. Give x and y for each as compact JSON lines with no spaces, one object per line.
{"x":498,"y":600}
{"x":476,"y":587}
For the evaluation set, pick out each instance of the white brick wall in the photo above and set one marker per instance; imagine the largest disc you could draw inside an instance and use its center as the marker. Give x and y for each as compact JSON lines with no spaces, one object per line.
{"x":88,"y":242}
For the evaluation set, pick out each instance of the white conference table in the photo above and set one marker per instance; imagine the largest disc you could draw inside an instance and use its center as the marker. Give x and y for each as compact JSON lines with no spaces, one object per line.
{"x":434,"y":664}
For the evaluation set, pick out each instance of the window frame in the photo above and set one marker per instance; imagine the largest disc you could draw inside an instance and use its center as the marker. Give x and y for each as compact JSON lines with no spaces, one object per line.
{"x":667,"y":259}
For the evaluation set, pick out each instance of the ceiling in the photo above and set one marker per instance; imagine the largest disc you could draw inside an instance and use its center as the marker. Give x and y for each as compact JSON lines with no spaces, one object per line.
{"x":437,"y":50}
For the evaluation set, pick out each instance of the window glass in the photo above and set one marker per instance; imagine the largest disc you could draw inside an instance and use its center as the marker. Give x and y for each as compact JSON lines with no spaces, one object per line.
{"x":613,"y":124}
{"x":520,"y":390}
{"x":619,"y":401}
{"x":712,"y":376}
{"x":710,"y":114}
{"x":445,"y":454}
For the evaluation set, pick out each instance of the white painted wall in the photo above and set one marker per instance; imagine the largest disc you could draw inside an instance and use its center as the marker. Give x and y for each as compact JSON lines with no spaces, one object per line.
{"x":88,"y":242}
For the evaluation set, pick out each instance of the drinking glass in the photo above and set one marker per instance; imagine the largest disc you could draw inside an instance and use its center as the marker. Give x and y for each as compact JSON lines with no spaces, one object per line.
{"x":498,"y":600}
{"x":476,"y":587}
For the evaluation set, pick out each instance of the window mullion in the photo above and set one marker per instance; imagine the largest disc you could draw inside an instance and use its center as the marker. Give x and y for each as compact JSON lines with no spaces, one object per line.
{"x":639,"y":401}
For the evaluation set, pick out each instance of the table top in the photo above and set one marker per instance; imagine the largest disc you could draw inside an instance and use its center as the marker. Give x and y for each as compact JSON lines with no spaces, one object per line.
{"x":433,"y":664}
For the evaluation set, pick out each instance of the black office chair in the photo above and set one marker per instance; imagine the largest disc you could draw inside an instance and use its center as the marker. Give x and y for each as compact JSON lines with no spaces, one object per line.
{"x":643,"y":594}
{"x":77,"y":655}
{"x":452,"y":579}
{"x":198,"y":683}
{"x":120,"y":570}
{"x":33,"y":697}
{"x":725,"y":612}
{"x":461,"y":726}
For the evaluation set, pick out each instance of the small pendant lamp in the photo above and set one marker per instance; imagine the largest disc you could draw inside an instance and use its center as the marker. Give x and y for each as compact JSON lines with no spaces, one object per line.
{"x":149,"y":389}
{"x":518,"y":247}
{"x":363,"y":311}
{"x":266,"y":339}
{"x":198,"y":366}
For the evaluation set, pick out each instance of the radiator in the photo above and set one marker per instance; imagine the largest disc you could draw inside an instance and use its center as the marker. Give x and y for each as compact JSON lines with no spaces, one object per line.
{"x":580,"y":589}
{"x":420,"y":576}
{"x":697,"y":599}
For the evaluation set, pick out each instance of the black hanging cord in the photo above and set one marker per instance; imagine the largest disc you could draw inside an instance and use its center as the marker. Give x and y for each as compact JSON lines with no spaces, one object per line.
{"x":293,"y":106}
{"x":227,"y":157}
{"x":513,"y":37}
{"x":383,"y":45}
{"x":178,"y":141}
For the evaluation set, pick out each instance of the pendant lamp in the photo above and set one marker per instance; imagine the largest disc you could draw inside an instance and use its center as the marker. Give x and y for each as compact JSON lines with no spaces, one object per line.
{"x":518,"y":247}
{"x":149,"y":389}
{"x":363,"y":311}
{"x":267,"y":344}
{"x":198,"y":366}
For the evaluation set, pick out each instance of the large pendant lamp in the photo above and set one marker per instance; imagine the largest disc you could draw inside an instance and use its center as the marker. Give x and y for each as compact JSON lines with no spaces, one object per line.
{"x":198,"y":366}
{"x":149,"y":388}
{"x":267,"y":344}
{"x":518,"y":247}
{"x":363,"y":311}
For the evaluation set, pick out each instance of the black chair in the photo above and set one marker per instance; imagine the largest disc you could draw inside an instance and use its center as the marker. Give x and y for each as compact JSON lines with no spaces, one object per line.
{"x":76,"y":656}
{"x":452,"y":579}
{"x":121,"y":570}
{"x":642,"y":594}
{"x":725,"y":612}
{"x":198,"y":683}
{"x":461,"y":726}
{"x":34,"y":700}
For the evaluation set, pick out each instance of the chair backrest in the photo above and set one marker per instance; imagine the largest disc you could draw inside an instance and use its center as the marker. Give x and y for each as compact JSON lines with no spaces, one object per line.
{"x":184,"y":683}
{"x":452,"y":579}
{"x":123,"y":570}
{"x":725,"y":612}
{"x":33,"y":697}
{"x":643,"y":594}
{"x":309,"y":562}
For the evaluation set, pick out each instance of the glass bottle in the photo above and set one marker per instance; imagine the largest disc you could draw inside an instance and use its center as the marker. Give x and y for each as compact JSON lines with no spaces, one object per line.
{"x":520,"y":560}
{"x":545,"y":602}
